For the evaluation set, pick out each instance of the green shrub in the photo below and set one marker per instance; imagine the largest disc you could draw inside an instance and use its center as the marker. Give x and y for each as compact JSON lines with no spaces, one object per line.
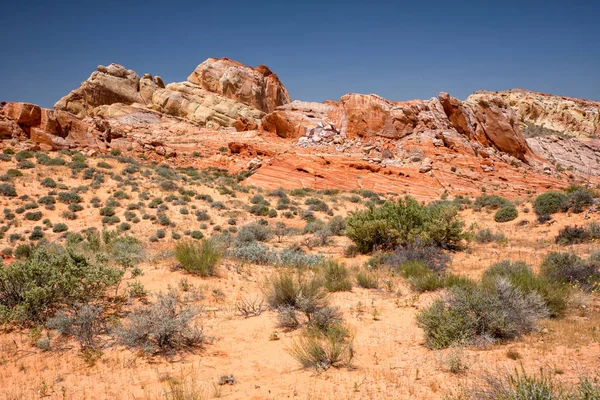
{"x":23,"y":155}
{"x":33,"y":215}
{"x":522,"y":277}
{"x":198,"y":258}
{"x":491,"y":201}
{"x":323,"y":349}
{"x":367,"y":280}
{"x":550,"y":203}
{"x":336,"y":276}
{"x":579,"y":199}
{"x":296,"y":290}
{"x":60,"y":227}
{"x":51,"y":278}
{"x":487,"y":236}
{"x":14,"y":173}
{"x":8,"y":190}
{"x":488,"y":312}
{"x":568,"y":268}
{"x":506,"y":213}
{"x":403,"y":223}
{"x":572,"y":235}
{"x":255,"y":253}
{"x":48,"y":182}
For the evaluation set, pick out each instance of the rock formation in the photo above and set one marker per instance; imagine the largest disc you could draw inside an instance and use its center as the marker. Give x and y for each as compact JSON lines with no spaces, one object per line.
{"x":577,"y":117}
{"x":359,"y":141}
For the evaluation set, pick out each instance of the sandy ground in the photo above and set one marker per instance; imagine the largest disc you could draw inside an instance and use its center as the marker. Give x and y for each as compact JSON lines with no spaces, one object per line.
{"x":390,"y":362}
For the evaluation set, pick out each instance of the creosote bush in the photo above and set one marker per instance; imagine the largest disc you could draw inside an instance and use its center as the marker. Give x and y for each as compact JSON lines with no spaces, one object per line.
{"x":405,"y":222}
{"x":506,"y":214}
{"x":198,"y":257}
{"x":551,"y":203}
{"x":50,"y":278}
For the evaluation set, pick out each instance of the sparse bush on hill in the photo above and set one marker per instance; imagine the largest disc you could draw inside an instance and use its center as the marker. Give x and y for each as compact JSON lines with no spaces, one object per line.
{"x":551,"y":203}
{"x":297,"y":290}
{"x":571,"y":269}
{"x":8,"y":190}
{"x":487,"y":236}
{"x":405,"y":222}
{"x":572,"y":235}
{"x":506,"y":214}
{"x":491,"y":201}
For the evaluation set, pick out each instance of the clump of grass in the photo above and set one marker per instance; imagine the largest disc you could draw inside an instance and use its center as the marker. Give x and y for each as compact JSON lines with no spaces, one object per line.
{"x":198,"y":257}
{"x":324,"y":349}
{"x":336,"y":276}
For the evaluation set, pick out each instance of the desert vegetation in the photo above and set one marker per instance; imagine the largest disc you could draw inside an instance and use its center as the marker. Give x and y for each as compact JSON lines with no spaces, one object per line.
{"x":122,"y":263}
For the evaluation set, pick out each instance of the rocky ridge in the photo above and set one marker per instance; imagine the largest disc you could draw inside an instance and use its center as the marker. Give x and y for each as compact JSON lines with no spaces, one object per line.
{"x":425,"y":147}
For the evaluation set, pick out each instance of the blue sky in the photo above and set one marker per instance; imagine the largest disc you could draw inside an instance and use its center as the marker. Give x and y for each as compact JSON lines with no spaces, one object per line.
{"x":321,"y":50}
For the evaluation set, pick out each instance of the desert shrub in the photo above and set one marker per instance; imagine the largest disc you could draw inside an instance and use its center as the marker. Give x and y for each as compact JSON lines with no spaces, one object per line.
{"x":550,"y":203}
{"x":336,"y":225}
{"x":252,"y":233}
{"x":519,"y":385}
{"x":49,"y":279}
{"x":336,"y":277}
{"x":8,"y":190}
{"x":325,"y":317}
{"x":367,"y":280}
{"x":74,"y":207}
{"x":5,"y":157}
{"x":160,"y":233}
{"x":522,"y":277}
{"x":323,"y":349}
{"x":165,"y":326}
{"x":487,"y":236}
{"x":260,"y":210}
{"x":491,"y":201}
{"x":433,"y":257}
{"x":104,"y":164}
{"x":255,"y":253}
{"x":23,"y":155}
{"x":60,"y":227}
{"x":14,"y":173}
{"x":33,"y":215}
{"x":84,"y":322}
{"x":196,"y":235}
{"x":48,"y":182}
{"x":107,"y":211}
{"x":163,"y":219}
{"x":571,"y":269}
{"x":506,"y":213}
{"x":316,"y":205}
{"x":23,"y":251}
{"x":297,"y":290}
{"x":579,"y":199}
{"x":25,"y":164}
{"x":199,"y":258}
{"x":572,"y":235}
{"x":202,"y":216}
{"x":488,"y":312}
{"x":423,"y":279}
{"x":47,"y":200}
{"x":296,"y":258}
{"x":405,"y":222}
{"x":69,"y":197}
{"x":287,"y":318}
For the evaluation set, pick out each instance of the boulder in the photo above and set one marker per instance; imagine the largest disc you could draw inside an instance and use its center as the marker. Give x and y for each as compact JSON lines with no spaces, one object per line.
{"x":24,"y":114}
{"x":108,"y":85}
{"x":256,"y":87}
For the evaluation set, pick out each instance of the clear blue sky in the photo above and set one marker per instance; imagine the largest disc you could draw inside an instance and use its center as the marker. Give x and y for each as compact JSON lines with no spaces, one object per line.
{"x":320,"y":49}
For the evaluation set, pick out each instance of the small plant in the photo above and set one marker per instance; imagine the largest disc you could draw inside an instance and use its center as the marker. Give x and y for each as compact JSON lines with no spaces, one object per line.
{"x":8,"y":190}
{"x":572,"y":235}
{"x":321,"y":350}
{"x":367,"y":280}
{"x":60,"y":227}
{"x":198,"y":258}
{"x":336,"y":276}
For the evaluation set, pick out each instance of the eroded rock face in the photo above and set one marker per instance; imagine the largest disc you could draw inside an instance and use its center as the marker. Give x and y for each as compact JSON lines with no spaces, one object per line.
{"x":568,"y":154}
{"x":488,"y":120}
{"x":256,"y":87}
{"x":108,"y":85}
{"x":578,"y":117}
{"x":361,"y":115}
